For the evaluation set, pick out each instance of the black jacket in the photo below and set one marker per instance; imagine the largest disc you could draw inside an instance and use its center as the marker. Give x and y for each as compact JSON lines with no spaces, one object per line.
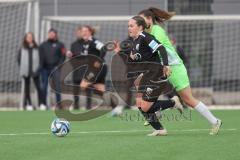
{"x":52,"y":53}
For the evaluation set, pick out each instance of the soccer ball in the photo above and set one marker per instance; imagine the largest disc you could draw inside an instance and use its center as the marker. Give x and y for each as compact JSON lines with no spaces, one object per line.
{"x":60,"y":127}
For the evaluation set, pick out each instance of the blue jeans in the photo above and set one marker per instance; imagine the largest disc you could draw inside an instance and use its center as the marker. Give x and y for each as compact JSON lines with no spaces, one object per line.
{"x":56,"y":79}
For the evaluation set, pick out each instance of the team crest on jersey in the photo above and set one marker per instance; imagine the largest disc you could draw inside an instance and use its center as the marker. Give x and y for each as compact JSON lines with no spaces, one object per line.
{"x":149,"y":90}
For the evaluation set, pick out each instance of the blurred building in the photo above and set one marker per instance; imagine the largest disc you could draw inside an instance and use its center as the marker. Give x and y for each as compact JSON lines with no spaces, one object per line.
{"x":130,"y":7}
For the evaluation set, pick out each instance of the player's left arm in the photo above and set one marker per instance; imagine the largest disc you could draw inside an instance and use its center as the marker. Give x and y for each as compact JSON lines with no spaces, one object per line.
{"x":156,"y":47}
{"x":100,"y":47}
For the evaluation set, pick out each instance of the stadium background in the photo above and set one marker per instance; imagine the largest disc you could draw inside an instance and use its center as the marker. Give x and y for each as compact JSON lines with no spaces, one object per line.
{"x":201,"y":75}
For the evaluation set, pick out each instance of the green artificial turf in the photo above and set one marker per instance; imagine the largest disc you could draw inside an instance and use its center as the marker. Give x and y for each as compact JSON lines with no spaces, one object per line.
{"x":27,"y":136}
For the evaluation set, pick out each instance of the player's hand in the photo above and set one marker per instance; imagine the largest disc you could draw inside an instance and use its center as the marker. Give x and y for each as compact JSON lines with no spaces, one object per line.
{"x":117,"y":48}
{"x":84,"y":84}
{"x":166,"y":71}
{"x":69,"y":54}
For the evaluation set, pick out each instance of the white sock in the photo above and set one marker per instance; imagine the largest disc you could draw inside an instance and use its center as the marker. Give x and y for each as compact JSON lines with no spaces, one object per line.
{"x":204,"y":111}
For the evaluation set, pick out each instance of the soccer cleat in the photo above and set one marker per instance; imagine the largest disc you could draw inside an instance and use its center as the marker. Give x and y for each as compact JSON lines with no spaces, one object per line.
{"x":117,"y":111}
{"x":146,"y":123}
{"x":162,"y":132}
{"x":43,"y":107}
{"x":178,"y":104}
{"x":215,"y":128}
{"x":29,"y":108}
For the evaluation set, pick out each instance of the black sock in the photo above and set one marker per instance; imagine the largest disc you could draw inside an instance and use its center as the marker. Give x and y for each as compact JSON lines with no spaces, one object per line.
{"x":152,"y":119}
{"x":161,"y":105}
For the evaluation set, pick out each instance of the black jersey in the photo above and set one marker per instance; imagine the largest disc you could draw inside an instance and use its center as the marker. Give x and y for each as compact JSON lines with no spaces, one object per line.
{"x":146,"y":47}
{"x":90,"y":47}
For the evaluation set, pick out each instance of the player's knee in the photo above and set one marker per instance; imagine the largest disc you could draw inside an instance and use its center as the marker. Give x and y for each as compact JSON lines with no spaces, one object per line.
{"x":145,"y":106}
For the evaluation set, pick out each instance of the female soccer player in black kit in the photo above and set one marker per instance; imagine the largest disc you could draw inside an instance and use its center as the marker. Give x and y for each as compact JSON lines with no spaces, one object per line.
{"x":92,"y":53}
{"x":92,"y":46}
{"x":149,"y":84}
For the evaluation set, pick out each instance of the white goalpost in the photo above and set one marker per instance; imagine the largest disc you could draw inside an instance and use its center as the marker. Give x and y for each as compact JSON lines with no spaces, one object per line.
{"x":16,"y":18}
{"x":211,"y":44}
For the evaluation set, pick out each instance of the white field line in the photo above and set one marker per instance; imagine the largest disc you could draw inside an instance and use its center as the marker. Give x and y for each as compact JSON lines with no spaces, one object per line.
{"x":211,"y":107}
{"x":129,"y":131}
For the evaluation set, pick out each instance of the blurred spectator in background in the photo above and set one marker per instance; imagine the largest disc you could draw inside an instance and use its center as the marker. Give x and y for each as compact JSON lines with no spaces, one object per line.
{"x":52,"y":53}
{"x":29,"y":64}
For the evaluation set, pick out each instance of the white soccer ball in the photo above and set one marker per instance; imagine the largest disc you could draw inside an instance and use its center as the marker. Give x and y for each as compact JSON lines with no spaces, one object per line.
{"x":60,"y":127}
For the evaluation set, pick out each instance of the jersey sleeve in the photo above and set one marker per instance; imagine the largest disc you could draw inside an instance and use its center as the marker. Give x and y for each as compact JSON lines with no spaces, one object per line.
{"x":155,"y":46}
{"x":62,"y":53}
{"x":63,"y":49}
{"x":152,"y":43}
{"x":100,"y":47}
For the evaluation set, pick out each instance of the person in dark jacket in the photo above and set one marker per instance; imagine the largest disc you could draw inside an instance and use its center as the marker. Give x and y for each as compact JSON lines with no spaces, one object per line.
{"x":52,"y":53}
{"x":29,"y":64}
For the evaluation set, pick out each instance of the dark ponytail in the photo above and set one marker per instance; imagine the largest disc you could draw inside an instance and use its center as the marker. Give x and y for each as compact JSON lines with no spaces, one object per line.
{"x":157,"y":15}
{"x":140,"y":21}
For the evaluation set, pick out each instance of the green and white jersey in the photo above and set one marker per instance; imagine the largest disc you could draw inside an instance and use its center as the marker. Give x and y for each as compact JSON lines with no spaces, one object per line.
{"x":159,"y":33}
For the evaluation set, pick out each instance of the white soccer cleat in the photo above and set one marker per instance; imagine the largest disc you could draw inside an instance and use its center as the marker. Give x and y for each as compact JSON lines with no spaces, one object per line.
{"x":162,"y":132}
{"x":29,"y":108}
{"x":117,"y":111}
{"x":215,"y":128}
{"x":146,"y":123}
{"x":178,"y":104}
{"x":43,"y":107}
